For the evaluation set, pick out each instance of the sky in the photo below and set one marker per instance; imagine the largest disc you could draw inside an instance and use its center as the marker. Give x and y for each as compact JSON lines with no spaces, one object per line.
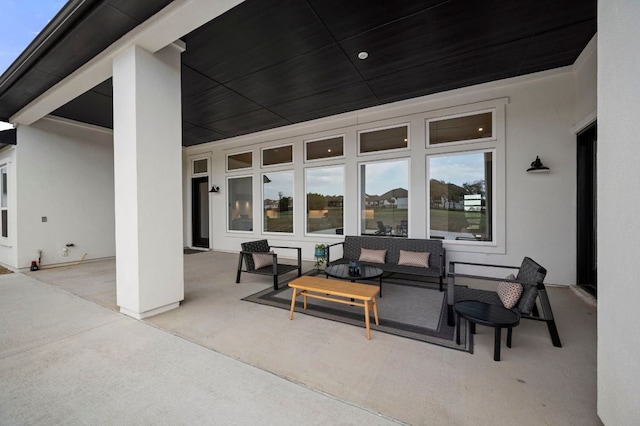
{"x":20,"y":23}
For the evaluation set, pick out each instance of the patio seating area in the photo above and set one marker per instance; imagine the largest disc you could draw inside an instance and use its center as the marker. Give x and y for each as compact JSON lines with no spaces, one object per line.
{"x":401,"y":379}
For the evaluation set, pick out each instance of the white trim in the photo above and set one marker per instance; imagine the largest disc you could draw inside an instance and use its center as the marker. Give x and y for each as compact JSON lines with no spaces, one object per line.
{"x":585,"y":122}
{"x":62,"y":120}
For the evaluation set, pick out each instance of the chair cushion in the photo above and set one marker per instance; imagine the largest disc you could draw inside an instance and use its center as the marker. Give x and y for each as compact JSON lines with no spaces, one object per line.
{"x":414,"y":258}
{"x":260,"y":260}
{"x":372,"y":256}
{"x":509,"y":293}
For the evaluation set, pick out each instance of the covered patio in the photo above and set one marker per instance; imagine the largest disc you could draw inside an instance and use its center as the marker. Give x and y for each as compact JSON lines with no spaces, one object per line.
{"x":401,"y":379}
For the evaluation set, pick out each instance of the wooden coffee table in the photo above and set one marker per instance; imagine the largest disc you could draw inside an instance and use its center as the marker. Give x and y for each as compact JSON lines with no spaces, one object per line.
{"x":336,"y":291}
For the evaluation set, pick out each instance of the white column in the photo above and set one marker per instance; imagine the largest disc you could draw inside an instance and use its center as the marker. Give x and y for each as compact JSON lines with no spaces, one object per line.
{"x":618,"y":207}
{"x":148,"y":176}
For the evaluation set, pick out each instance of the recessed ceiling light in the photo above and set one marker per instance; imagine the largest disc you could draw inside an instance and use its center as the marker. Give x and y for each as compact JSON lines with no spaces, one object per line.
{"x":480,"y":129}
{"x":363,"y":55}
{"x":329,"y":150}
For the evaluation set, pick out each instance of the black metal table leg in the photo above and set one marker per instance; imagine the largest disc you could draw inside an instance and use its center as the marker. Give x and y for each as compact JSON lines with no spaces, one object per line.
{"x":509,"y":332}
{"x":458,"y":330}
{"x":496,"y":345}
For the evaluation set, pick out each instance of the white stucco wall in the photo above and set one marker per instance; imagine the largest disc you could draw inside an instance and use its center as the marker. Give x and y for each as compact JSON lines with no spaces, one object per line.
{"x":539,"y":218}
{"x":618,"y":206}
{"x":65,"y":175}
{"x":586,"y":83}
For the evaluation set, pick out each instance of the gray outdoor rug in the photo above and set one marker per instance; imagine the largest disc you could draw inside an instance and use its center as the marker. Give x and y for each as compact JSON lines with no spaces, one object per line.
{"x":415,"y":310}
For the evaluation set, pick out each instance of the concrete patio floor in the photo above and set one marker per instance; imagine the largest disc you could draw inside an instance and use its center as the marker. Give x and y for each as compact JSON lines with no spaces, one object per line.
{"x":218,"y":355}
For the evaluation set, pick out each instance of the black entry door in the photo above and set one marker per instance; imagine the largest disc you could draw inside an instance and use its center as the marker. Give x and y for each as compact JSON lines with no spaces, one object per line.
{"x":200,"y":212}
{"x":587,"y":211}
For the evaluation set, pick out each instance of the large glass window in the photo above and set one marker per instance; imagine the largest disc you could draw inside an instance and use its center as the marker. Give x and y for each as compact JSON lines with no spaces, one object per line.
{"x":384,"y":192}
{"x":460,"y":196}
{"x":4,"y":202}
{"x":325,"y":198}
{"x":240,"y":190}
{"x":277,"y":198}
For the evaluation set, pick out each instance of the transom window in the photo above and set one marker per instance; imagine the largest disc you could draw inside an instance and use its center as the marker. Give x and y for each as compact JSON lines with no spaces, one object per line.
{"x":325,"y":148}
{"x":384,"y":139}
{"x":243,"y":160}
{"x":463,"y":128}
{"x":277,"y":155}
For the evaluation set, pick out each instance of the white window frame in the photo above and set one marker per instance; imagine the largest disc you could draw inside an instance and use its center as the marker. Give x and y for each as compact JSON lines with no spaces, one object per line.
{"x":496,"y":143}
{"x":360,"y":188}
{"x":262,"y":221}
{"x":262,"y":150}
{"x":228,"y":194}
{"x":241,"y":169}
{"x":493,"y":137}
{"x":337,"y":157}
{"x":193,"y":166}
{"x":315,"y":234}
{"x":494,"y":198}
{"x":385,"y":151}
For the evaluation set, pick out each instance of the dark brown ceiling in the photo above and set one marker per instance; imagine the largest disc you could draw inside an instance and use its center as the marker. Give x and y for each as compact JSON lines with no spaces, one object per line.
{"x":270,"y":63}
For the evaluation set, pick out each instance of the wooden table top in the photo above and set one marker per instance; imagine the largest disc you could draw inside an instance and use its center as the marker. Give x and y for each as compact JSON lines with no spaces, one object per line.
{"x":335,"y":287}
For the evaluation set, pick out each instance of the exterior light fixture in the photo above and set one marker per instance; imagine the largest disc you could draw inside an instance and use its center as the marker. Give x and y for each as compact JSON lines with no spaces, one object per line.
{"x":537,"y":166}
{"x":363,"y":55}
{"x":214,"y":188}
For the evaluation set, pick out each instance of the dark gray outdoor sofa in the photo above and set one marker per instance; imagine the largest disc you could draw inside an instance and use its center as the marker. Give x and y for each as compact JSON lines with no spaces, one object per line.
{"x":352,"y":246}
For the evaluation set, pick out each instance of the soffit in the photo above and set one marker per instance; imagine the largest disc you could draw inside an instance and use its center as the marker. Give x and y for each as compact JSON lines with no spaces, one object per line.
{"x":270,"y":63}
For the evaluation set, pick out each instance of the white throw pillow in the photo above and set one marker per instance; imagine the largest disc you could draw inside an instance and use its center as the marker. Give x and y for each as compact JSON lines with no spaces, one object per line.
{"x":414,"y":258}
{"x":509,"y":293}
{"x":260,"y":260}
{"x":372,"y":256}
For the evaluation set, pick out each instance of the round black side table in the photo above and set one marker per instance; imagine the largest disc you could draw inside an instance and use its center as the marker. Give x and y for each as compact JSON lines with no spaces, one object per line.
{"x":495,"y":316}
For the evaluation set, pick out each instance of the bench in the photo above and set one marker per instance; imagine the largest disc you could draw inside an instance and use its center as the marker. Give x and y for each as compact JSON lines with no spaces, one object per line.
{"x":352,"y":246}
{"x":333,"y":291}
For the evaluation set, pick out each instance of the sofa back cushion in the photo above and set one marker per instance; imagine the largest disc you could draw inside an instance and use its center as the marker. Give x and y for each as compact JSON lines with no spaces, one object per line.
{"x":393,"y":245}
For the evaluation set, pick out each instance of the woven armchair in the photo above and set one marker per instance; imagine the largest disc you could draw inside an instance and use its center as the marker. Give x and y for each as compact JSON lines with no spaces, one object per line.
{"x":530,"y":275}
{"x":273,"y":269}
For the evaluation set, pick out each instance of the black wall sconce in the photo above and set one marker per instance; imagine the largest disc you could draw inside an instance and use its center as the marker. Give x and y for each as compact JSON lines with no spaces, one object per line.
{"x":537,"y":166}
{"x":214,"y":188}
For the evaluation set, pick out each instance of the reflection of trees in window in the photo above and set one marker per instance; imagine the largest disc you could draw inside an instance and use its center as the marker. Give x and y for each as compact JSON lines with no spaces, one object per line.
{"x":460,"y":196}
{"x":277,"y":190}
{"x":325,"y":199}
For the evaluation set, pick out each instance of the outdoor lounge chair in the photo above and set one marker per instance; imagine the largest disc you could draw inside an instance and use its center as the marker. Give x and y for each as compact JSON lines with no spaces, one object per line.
{"x":530,"y":275}
{"x":259,"y":258}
